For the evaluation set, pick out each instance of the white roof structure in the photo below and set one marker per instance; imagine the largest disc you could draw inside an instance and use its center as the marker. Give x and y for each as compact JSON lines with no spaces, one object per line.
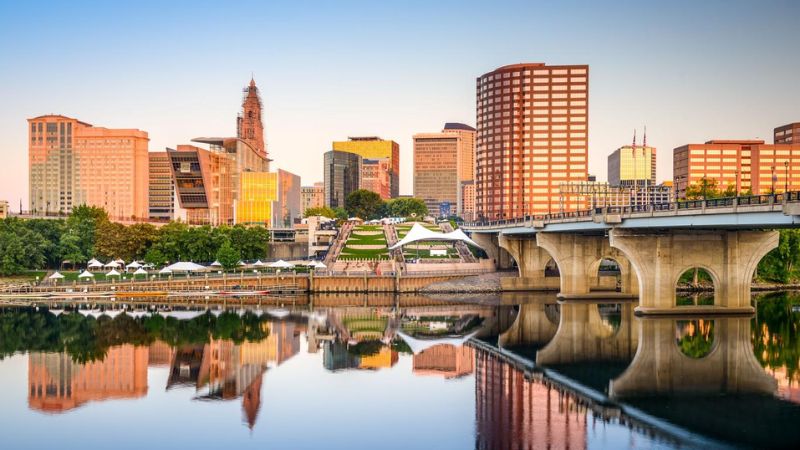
{"x":279,"y":313}
{"x":182,"y":315}
{"x":258,"y":263}
{"x":56,"y":276}
{"x":112,"y":273}
{"x":419,"y":345}
{"x":319,"y":265}
{"x":281,"y":264}
{"x":165,"y":270}
{"x":94,"y":261}
{"x":119,"y":261}
{"x":95,"y":264}
{"x":420,"y":233}
{"x":241,"y":263}
{"x":185,"y":266}
{"x":111,"y":265}
{"x":133,"y":265}
{"x":86,"y":274}
{"x":140,"y":271}
{"x":216,"y":263}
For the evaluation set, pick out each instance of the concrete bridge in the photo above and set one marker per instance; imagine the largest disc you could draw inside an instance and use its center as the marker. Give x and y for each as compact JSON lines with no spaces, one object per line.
{"x":653,"y":246}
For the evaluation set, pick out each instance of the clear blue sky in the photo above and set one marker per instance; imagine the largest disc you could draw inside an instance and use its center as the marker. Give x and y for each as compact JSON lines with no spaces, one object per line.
{"x":690,"y":70}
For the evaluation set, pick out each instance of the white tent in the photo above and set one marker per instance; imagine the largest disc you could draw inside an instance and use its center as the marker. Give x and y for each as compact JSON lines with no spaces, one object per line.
{"x":133,"y":265}
{"x":94,"y":261}
{"x":140,"y":271}
{"x":119,"y":261}
{"x":418,"y":345}
{"x":111,"y":265}
{"x":185,"y":266}
{"x":279,"y":313}
{"x":112,"y":273}
{"x":420,"y":233}
{"x":281,"y":264}
{"x":95,"y":264}
{"x":258,"y":263}
{"x":241,"y":263}
{"x":56,"y":276}
{"x":319,"y":265}
{"x":165,"y":271}
{"x":86,"y":274}
{"x":216,"y":263}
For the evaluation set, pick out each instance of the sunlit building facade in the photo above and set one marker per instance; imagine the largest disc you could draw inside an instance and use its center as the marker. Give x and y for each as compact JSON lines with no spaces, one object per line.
{"x":445,"y":360}
{"x":258,"y":198}
{"x":787,"y":134}
{"x":312,"y":197}
{"x":289,"y":198}
{"x":632,"y":166}
{"x":376,"y":176}
{"x":741,"y":165}
{"x":375,"y":148}
{"x":442,"y":161}
{"x":73,"y":163}
{"x":468,"y":200}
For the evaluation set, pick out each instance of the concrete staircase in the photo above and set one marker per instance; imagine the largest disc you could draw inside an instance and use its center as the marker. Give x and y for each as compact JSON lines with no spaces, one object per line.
{"x":463,"y":250}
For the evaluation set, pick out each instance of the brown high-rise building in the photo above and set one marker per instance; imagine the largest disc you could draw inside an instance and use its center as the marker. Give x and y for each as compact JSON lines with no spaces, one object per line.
{"x":249,"y":126}
{"x":739,"y":165}
{"x":73,"y":163}
{"x":532,"y":122}
{"x":312,"y":196}
{"x":442,"y":162}
{"x":787,"y":134}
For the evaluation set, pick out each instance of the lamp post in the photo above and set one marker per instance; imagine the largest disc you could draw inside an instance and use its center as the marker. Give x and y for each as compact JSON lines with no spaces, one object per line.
{"x":786,"y":177}
{"x":773,"y":179}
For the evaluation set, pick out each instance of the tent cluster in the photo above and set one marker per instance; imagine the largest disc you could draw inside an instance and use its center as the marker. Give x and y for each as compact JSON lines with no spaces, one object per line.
{"x":420,"y":233}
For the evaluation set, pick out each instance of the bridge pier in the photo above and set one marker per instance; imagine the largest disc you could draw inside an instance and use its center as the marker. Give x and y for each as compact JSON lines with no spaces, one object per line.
{"x":578,"y":258}
{"x":531,"y":261}
{"x":659,"y":259}
{"x":489,"y":242}
{"x":660,"y":368}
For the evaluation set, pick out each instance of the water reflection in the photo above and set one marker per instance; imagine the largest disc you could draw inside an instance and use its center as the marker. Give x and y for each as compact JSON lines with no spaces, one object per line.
{"x":534,"y":372}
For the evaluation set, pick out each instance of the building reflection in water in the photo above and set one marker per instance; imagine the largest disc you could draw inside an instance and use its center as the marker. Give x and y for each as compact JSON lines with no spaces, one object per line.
{"x":515,"y":412}
{"x":445,"y":360}
{"x":59,"y":384}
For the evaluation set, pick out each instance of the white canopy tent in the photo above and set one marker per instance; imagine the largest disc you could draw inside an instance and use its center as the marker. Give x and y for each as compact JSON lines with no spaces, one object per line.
{"x":216,"y":263}
{"x":185,"y":266}
{"x":281,"y":264}
{"x":112,"y":273}
{"x":120,"y":261}
{"x":258,"y":263}
{"x":94,"y":261}
{"x":418,"y":345}
{"x":112,"y":265}
{"x":140,"y":271}
{"x":165,"y":271}
{"x":318,"y":265}
{"x":56,"y":276}
{"x":86,"y":274}
{"x":95,"y":264}
{"x":133,"y":265}
{"x":420,"y":233}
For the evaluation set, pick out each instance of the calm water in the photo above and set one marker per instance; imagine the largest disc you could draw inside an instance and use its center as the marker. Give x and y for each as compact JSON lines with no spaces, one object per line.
{"x":332,"y":372}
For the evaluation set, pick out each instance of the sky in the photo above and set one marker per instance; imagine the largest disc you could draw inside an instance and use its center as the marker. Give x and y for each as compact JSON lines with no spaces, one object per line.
{"x":690,"y":71}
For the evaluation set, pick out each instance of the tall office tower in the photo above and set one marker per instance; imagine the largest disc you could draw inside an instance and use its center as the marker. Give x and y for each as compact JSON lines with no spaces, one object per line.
{"x":249,"y":126}
{"x":787,"y":134}
{"x":442,"y":161}
{"x":312,"y":196}
{"x":372,"y":148}
{"x":73,"y":163}
{"x":741,"y":165}
{"x":289,"y":197}
{"x":532,"y":122}
{"x":204,"y":183}
{"x":629,"y":166}
{"x":342,"y":176}
{"x":468,"y":200}
{"x":161,"y":189}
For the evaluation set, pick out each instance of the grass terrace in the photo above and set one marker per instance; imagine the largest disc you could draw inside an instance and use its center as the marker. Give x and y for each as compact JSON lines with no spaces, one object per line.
{"x":365,"y":242}
{"x":404,"y":228}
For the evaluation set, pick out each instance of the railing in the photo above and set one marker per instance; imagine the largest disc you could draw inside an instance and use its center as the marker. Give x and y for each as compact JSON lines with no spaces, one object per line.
{"x":726,"y":202}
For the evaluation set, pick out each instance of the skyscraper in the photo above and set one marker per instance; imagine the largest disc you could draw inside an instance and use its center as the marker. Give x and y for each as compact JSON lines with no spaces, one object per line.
{"x":787,"y":134}
{"x":375,"y":148}
{"x":73,"y":163}
{"x":629,"y":166}
{"x":532,"y":122}
{"x":442,"y":161}
{"x":249,"y":126}
{"x":342,"y":176}
{"x":312,"y":196}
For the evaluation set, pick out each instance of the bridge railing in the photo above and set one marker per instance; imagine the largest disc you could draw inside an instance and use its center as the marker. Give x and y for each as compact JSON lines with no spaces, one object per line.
{"x":725,"y":202}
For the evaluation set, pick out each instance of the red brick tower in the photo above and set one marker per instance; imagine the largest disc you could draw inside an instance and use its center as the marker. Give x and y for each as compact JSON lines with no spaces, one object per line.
{"x":249,"y":126}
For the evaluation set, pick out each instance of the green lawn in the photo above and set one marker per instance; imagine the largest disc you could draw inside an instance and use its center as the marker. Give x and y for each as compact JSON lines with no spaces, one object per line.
{"x":350,"y":253}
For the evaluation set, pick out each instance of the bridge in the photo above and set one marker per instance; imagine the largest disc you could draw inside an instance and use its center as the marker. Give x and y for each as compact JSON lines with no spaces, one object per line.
{"x":653,"y":246}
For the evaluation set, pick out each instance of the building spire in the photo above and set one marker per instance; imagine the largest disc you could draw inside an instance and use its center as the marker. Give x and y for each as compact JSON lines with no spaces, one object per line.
{"x":644,"y":144}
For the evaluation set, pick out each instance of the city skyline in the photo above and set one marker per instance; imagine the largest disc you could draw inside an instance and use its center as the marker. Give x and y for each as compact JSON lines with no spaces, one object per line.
{"x":692,"y":90}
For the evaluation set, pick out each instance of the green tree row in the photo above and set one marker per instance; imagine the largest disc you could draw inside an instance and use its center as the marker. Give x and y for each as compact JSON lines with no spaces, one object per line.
{"x":87,"y":233}
{"x":369,"y":205}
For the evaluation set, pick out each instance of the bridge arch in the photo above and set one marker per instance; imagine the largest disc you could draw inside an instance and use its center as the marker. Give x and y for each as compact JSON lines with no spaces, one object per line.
{"x":696,"y":338}
{"x":681,"y":271}
{"x":629,"y":281}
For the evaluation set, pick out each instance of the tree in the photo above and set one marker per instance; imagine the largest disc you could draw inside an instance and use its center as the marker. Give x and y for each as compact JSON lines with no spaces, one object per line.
{"x":324,"y":211}
{"x":783,"y":262}
{"x":363,"y":204}
{"x":228,"y":256}
{"x":708,"y":188}
{"x":341,"y":213}
{"x":83,"y":223}
{"x":406,"y":207}
{"x":155,"y":257}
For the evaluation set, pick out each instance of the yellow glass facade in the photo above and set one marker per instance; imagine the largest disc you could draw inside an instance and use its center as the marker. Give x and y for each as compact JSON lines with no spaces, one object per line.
{"x":376,"y":148}
{"x":259,"y":192}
